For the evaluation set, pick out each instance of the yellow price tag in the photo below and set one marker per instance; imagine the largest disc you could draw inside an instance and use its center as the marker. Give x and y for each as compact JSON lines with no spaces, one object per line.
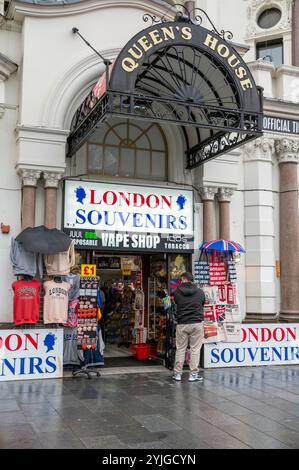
{"x":126,"y":271}
{"x":88,"y":270}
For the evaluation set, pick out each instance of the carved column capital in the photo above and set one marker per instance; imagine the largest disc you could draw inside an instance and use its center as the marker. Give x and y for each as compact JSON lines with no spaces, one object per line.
{"x":261,"y":148}
{"x":287,"y":150}
{"x":225,"y":194}
{"x":51,"y":179}
{"x":208,"y":193}
{"x":29,"y":176}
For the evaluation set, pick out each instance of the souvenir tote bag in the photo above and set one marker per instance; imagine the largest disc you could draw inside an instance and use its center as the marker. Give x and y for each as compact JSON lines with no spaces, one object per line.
{"x":201,"y":270}
{"x":213,"y":332}
{"x":232,"y":332}
{"x":211,"y":294}
{"x":231,"y":294}
{"x":218,"y":275}
{"x":209,"y":313}
{"x":210,"y":332}
{"x":220,"y":312}
{"x":222,"y":293}
{"x":233,"y":314}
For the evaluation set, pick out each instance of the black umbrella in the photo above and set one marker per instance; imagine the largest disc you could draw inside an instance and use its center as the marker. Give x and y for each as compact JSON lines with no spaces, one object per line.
{"x":44,"y":240}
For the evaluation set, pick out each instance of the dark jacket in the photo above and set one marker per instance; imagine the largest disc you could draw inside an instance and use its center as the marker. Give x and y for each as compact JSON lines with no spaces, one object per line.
{"x":189,"y":300}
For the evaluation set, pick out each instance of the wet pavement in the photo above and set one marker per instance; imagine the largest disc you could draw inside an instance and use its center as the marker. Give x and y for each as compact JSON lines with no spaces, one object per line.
{"x":233,"y":408}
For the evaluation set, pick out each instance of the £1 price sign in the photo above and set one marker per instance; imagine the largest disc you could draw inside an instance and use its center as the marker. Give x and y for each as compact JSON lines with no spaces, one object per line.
{"x":88,"y":270}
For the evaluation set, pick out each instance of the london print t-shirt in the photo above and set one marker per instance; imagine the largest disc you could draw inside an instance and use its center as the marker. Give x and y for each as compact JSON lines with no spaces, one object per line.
{"x":56,"y":302}
{"x":26,"y":301}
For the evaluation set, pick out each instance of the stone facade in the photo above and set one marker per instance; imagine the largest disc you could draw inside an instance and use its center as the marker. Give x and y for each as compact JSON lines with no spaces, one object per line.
{"x":248,"y":195}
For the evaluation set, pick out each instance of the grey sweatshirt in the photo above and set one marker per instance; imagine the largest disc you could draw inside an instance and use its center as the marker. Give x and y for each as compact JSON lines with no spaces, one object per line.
{"x":24,"y":262}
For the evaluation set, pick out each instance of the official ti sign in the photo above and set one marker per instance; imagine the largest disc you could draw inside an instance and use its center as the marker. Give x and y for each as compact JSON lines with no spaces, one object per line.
{"x":31,"y":354}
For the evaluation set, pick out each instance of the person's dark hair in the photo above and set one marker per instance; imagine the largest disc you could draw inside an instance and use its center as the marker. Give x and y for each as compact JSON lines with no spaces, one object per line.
{"x":187,"y":276}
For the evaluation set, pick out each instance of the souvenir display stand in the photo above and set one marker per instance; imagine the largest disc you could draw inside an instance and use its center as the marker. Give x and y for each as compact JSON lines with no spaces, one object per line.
{"x":215,"y":273}
{"x":87,"y":329}
{"x":157,"y":284}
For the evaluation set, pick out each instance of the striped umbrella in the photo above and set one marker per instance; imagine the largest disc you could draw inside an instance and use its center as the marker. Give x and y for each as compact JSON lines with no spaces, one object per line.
{"x":222,"y":245}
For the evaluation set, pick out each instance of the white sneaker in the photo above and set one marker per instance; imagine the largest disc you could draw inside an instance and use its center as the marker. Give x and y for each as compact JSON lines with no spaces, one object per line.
{"x":177,"y":377}
{"x":195,"y":378}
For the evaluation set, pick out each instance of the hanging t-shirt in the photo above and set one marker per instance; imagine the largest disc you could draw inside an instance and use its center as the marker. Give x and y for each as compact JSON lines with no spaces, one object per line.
{"x":56,"y":302}
{"x":72,"y":319}
{"x":74,"y":281}
{"x":70,"y":352}
{"x":26,"y":301}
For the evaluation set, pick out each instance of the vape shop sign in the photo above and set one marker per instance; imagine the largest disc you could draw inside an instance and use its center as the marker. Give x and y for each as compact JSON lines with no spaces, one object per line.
{"x":107,"y":216}
{"x":31,"y":354}
{"x":261,"y":345}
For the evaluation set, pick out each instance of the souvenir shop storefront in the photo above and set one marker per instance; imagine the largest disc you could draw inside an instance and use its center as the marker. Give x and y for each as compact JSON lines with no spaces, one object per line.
{"x":136,"y":254}
{"x":130,"y":223}
{"x":137,"y":238}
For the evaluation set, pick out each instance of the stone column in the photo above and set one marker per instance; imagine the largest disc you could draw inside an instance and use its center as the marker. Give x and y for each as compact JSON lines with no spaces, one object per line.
{"x":51,"y":180}
{"x":29,"y":179}
{"x":207,"y":196}
{"x":295,"y":33}
{"x":224,"y":196}
{"x":259,"y":195}
{"x":287,"y":154}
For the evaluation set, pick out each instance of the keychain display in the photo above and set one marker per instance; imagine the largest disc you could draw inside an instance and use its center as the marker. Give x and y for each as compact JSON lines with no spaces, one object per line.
{"x":87,"y":333}
{"x":87,"y":313}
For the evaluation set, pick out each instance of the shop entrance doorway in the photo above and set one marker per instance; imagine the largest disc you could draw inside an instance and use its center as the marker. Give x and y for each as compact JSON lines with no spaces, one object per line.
{"x":133,"y":314}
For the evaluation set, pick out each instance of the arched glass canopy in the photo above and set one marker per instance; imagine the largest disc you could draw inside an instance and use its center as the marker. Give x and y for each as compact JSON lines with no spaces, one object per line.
{"x":181,"y":73}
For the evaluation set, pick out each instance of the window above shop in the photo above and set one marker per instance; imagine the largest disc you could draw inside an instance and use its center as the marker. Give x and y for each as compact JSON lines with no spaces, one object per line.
{"x":271,"y":51}
{"x":122,"y":148}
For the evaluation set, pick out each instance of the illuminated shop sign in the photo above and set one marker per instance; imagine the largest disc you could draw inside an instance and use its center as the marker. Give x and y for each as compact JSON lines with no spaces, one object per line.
{"x":261,"y":345}
{"x":124,"y":217}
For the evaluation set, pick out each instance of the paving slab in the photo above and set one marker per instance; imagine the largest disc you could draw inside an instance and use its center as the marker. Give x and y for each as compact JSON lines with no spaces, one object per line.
{"x":232,"y":409}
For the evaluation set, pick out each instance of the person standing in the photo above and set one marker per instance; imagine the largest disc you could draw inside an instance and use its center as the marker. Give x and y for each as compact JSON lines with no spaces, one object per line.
{"x":189,"y":301}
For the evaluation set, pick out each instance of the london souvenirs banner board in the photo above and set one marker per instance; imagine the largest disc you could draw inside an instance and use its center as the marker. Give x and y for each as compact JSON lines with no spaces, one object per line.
{"x":261,"y":345}
{"x":31,"y":354}
{"x":108,"y":216}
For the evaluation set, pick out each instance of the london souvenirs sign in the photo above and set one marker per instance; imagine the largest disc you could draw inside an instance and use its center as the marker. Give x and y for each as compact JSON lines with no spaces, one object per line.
{"x":107,"y":216}
{"x":31,"y":354}
{"x":261,"y":345}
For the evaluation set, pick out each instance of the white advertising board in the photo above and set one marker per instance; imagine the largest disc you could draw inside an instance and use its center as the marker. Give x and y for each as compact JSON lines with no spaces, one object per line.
{"x":104,"y":216}
{"x":31,"y":354}
{"x":126,"y":208}
{"x":261,"y":345}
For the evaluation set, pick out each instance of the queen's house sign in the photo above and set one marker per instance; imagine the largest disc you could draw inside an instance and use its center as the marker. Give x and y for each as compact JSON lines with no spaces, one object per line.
{"x":180,"y":73}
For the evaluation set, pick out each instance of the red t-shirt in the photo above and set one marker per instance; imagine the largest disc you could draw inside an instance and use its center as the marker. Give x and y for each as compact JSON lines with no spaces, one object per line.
{"x":26,"y":301}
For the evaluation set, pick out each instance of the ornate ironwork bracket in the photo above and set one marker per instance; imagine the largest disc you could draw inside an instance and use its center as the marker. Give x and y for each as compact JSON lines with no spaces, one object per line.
{"x":161,"y":110}
{"x":215,"y":146}
{"x":195,"y":16}
{"x":85,"y":128}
